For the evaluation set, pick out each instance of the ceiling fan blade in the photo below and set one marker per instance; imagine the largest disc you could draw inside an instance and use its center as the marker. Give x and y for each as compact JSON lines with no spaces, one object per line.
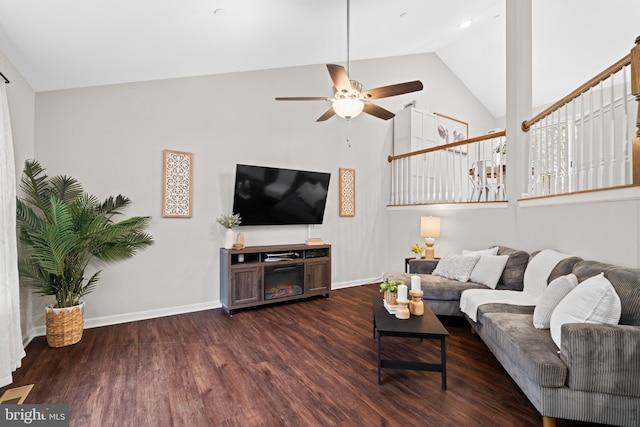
{"x":327,"y":115}
{"x":303,"y":98}
{"x":339,"y":77}
{"x":377,"y":111}
{"x":393,"y":90}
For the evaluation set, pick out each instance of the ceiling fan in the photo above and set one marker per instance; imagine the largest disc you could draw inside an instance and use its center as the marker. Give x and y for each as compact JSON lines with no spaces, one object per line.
{"x":349,"y":99}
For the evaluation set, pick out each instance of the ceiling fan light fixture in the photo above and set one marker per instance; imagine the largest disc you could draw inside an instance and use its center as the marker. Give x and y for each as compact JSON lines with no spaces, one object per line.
{"x":348,"y":108}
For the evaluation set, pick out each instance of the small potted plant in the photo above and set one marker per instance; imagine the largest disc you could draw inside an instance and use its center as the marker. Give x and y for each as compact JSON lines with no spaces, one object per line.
{"x":417,"y":249}
{"x":389,"y":289}
{"x":229,"y":222}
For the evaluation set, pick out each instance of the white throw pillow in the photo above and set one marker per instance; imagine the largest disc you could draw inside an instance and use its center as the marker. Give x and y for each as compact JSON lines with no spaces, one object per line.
{"x":490,"y":251}
{"x":592,"y":301}
{"x":488,"y":270}
{"x":456,"y":267}
{"x":538,"y":271}
{"x":555,"y":292}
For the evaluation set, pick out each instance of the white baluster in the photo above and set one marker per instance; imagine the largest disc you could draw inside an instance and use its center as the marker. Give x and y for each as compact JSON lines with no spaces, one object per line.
{"x":601,"y":139}
{"x":612,"y":134}
{"x":394,"y":182}
{"x":581,"y":142}
{"x":571,"y":148}
{"x":591,"y":173}
{"x":625,"y":167}
{"x":564,"y":150}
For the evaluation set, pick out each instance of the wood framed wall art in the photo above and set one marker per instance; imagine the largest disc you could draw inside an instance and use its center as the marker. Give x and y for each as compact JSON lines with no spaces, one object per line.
{"x":177,"y":188}
{"x":451,"y":130}
{"x":347,"y":192}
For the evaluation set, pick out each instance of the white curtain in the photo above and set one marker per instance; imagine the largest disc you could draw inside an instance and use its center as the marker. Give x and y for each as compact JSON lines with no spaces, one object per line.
{"x":11,"y":350}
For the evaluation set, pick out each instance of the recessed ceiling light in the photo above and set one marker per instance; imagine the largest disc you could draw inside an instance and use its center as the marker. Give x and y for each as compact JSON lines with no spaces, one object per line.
{"x":219,"y":12}
{"x":464,"y":24}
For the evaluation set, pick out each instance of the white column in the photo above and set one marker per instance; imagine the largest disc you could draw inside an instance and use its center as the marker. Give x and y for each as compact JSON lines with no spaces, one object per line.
{"x":519,"y":98}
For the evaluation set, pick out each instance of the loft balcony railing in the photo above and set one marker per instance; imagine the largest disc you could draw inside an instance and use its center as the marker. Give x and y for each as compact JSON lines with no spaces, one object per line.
{"x":472,"y":170}
{"x":585,"y":141}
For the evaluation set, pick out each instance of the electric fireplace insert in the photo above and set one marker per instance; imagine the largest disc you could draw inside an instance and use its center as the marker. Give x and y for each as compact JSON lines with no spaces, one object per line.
{"x":282,"y":281}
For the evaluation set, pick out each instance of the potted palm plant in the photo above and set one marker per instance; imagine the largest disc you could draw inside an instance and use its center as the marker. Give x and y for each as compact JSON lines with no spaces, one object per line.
{"x":61,"y":229}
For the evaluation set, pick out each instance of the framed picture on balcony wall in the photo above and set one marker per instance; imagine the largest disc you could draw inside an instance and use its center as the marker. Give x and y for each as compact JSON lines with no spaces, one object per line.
{"x":451,"y":130}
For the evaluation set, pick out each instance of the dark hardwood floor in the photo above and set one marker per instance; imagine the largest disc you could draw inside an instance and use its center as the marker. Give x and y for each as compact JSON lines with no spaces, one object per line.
{"x":309,"y":363}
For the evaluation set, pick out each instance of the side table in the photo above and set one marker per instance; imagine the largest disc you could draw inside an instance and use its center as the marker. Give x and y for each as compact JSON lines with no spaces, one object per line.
{"x":420,"y":266}
{"x":407,"y":261}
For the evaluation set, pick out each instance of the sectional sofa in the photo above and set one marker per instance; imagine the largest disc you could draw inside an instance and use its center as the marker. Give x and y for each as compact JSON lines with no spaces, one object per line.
{"x":580,"y":369}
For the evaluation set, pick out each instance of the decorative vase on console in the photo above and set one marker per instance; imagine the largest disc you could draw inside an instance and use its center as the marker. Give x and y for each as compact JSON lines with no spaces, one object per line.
{"x":229,"y":222}
{"x":228,"y":238}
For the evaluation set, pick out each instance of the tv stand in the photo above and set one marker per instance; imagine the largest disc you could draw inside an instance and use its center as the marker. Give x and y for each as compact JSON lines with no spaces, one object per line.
{"x":261,"y":275}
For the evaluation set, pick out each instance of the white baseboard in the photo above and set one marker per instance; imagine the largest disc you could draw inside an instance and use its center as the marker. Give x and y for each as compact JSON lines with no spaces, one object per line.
{"x":95,"y":322}
{"x":351,"y":283}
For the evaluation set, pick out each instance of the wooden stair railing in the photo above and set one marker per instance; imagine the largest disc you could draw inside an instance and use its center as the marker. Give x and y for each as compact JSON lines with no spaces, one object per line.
{"x":448,"y":146}
{"x":598,"y":159}
{"x":447,"y":173}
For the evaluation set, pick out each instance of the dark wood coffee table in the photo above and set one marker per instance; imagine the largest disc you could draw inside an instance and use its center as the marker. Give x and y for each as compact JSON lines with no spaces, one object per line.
{"x":426,"y":326}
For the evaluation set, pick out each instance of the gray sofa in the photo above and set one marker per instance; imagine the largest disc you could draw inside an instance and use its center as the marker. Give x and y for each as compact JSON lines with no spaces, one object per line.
{"x":443,"y":295}
{"x":593,"y":377}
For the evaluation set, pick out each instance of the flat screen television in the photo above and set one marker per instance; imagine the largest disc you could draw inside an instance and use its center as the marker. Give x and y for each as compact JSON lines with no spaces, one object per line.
{"x":275,"y":196}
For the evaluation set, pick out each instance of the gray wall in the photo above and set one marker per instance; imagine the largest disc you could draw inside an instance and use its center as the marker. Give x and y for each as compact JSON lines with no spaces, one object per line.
{"x":602,"y":226}
{"x":602,"y":230}
{"x":111,"y":138}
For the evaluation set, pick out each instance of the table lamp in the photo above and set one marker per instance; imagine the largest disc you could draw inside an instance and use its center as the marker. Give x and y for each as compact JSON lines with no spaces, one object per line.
{"x":429,"y":229}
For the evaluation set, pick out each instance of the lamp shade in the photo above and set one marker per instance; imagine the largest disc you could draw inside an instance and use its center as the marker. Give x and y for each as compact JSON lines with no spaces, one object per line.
{"x":348,"y":108}
{"x":430,"y":226}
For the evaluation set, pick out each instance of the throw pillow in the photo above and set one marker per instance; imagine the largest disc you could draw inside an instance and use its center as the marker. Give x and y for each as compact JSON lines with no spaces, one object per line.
{"x":513,"y":275}
{"x":555,"y":292}
{"x":592,"y":301}
{"x":488,"y":270}
{"x":490,"y":251}
{"x":456,"y":267}
{"x":538,"y":270}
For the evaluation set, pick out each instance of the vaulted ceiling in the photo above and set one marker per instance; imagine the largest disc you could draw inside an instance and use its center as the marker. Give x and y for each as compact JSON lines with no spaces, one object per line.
{"x":68,"y":43}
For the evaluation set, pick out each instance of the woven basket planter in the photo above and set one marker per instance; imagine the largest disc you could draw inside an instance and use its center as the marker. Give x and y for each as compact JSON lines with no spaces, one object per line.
{"x":391,"y":297}
{"x":65,"y":325}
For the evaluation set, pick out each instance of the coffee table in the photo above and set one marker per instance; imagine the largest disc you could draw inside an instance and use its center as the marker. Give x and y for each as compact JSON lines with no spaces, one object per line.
{"x":426,"y":326}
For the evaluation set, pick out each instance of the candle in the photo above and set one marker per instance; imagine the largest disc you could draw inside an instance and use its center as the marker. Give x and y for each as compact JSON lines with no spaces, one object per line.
{"x":402,"y":292}
{"x":415,"y":283}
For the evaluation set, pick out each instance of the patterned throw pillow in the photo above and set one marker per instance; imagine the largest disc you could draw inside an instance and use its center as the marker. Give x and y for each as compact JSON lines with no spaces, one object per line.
{"x":456,"y":267}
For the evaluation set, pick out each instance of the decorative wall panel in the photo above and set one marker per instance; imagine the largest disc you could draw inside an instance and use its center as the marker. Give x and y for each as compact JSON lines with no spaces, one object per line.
{"x":347,"y":192}
{"x":177,"y":186}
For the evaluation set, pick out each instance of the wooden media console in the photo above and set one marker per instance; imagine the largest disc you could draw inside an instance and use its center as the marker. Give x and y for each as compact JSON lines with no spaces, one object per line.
{"x":259,"y":275}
